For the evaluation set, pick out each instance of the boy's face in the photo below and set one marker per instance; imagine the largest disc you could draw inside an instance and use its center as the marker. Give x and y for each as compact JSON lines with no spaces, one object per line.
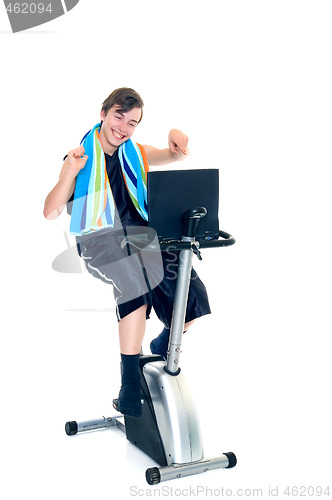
{"x":117,"y":127}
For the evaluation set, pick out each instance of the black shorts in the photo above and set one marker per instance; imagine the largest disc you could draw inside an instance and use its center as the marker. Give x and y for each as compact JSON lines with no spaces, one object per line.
{"x":140,"y":277}
{"x":161,"y":298}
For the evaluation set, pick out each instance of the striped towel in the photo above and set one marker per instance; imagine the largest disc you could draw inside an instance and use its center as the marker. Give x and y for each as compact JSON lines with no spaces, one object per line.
{"x":93,"y":206}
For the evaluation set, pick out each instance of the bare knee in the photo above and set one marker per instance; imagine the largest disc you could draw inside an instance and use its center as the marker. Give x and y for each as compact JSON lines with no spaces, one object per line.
{"x":188,"y":325}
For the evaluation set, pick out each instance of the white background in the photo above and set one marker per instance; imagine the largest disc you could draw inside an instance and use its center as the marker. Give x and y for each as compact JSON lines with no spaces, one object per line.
{"x":250,"y":83}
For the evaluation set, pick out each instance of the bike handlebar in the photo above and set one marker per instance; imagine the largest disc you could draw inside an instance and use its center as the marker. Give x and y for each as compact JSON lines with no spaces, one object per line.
{"x":226,"y":241}
{"x":141,"y":244}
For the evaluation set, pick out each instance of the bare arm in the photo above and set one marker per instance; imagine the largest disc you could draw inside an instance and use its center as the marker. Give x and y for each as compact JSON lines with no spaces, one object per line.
{"x":177,"y":149}
{"x":57,"y":198}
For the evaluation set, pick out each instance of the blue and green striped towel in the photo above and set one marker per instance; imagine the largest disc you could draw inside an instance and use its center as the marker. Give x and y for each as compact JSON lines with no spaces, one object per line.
{"x":93,"y":206}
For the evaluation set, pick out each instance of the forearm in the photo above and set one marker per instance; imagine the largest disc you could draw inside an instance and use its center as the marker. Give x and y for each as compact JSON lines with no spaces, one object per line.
{"x":177,"y":149}
{"x":159,"y":157}
{"x":57,"y":198}
{"x":62,"y":191}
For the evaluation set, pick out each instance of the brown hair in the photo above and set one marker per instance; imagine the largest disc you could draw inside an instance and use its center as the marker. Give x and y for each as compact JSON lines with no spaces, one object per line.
{"x":126,"y":98}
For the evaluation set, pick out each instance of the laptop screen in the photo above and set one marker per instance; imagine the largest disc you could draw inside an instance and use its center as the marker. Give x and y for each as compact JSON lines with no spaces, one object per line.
{"x":172,"y":192}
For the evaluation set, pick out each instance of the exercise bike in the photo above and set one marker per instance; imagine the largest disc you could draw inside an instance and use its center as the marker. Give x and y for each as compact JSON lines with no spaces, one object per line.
{"x":168,"y":430}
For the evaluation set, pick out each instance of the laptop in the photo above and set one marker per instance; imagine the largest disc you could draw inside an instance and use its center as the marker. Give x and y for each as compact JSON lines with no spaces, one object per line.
{"x":172,"y":192}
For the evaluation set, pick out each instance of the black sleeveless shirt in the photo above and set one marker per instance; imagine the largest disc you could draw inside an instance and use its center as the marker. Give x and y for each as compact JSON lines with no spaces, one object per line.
{"x":127,"y":212}
{"x":125,"y":207}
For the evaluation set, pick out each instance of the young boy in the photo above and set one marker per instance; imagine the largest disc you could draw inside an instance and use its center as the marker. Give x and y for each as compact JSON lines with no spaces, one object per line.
{"x":110,"y":143}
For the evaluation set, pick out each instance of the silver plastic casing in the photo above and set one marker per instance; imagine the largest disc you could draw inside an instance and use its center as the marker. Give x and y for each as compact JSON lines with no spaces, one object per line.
{"x":175,"y":413}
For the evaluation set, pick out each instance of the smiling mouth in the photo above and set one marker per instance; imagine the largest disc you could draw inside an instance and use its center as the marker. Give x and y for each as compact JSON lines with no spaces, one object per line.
{"x":117,"y":135}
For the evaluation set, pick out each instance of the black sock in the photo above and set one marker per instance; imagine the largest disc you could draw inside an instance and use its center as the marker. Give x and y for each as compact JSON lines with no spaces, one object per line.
{"x":159,"y":345}
{"x":129,"y":369}
{"x":129,"y":399}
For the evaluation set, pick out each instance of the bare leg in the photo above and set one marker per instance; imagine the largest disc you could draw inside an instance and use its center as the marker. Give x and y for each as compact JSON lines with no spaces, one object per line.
{"x":131,"y":331}
{"x":188,"y":325}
